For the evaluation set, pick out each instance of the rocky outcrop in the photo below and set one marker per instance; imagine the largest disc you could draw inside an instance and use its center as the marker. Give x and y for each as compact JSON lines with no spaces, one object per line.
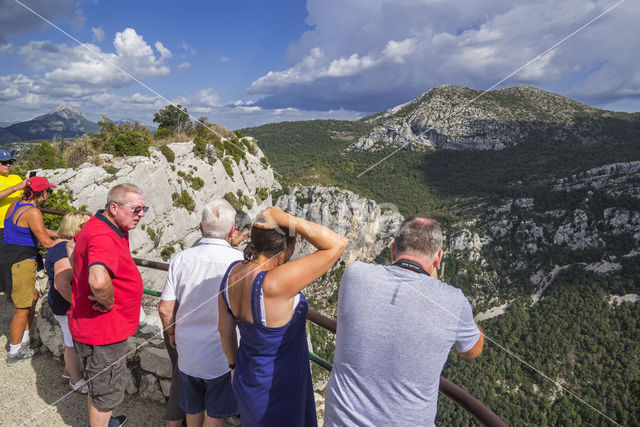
{"x":590,"y":220}
{"x":174,"y":204}
{"x":458,"y":118}
{"x":369,"y":227}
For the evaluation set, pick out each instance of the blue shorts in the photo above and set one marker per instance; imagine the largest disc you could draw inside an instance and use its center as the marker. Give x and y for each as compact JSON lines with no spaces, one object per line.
{"x":215,"y":395}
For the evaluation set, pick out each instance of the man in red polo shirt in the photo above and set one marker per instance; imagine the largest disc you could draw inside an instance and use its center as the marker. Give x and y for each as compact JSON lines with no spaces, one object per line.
{"x":105,"y":300}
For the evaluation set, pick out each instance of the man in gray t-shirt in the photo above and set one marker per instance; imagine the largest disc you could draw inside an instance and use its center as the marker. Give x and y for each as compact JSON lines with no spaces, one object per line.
{"x":396,"y":326}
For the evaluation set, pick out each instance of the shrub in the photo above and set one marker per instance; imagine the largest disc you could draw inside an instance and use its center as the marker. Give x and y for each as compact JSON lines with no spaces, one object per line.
{"x":197,"y":183}
{"x":129,"y":143}
{"x":233,"y":200}
{"x":262,"y":194}
{"x":60,"y":200}
{"x":168,"y":153}
{"x":82,"y":150}
{"x":161,"y":133}
{"x":199,"y":147}
{"x":167,"y":251}
{"x":227,"y":166}
{"x":183,"y":199}
{"x":238,"y":133}
{"x":44,"y":156}
{"x":264,"y":161}
{"x":154,"y":236}
{"x":219,"y":146}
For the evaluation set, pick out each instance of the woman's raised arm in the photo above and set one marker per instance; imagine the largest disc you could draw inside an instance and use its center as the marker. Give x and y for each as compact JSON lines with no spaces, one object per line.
{"x":288,"y":279}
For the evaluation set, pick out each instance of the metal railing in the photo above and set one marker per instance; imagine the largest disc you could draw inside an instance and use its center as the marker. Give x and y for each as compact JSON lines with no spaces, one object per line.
{"x":461,"y":397}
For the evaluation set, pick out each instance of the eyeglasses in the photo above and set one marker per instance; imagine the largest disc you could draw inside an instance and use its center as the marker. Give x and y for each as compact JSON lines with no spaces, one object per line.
{"x":136,"y":209}
{"x":6,"y":162}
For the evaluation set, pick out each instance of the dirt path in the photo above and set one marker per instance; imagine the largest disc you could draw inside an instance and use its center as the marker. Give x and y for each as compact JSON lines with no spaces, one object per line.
{"x":33,"y":395}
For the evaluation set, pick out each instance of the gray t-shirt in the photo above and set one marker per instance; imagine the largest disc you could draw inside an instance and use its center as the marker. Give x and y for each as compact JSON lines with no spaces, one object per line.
{"x":395,"y":331}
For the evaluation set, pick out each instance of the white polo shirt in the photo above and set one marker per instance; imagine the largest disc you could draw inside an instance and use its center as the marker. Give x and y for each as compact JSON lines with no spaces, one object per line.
{"x":194,"y":281}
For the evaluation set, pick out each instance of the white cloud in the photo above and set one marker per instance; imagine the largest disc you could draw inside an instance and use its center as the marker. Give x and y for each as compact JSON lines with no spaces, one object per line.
{"x":224,"y":59}
{"x":187,"y":48}
{"x":98,"y":34}
{"x":163,"y":51}
{"x":82,"y":70}
{"x":184,"y":65}
{"x":6,"y":49}
{"x":368,"y":57}
{"x":14,"y":86}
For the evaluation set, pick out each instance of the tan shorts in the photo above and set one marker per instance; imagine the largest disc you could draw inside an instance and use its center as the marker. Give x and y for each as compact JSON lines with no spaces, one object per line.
{"x":24,"y":283}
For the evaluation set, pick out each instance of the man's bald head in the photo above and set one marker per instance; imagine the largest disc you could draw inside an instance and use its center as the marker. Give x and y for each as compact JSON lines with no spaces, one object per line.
{"x":418,"y":235}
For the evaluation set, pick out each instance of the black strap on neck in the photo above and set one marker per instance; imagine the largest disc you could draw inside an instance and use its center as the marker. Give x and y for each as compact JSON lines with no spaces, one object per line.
{"x":411,"y":265}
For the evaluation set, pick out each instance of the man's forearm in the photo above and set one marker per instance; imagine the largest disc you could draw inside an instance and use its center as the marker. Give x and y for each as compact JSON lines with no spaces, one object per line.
{"x":101,"y":286}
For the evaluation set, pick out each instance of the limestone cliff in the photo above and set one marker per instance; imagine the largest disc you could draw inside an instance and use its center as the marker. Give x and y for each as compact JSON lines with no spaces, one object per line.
{"x":171,"y":223}
{"x":368,"y":226}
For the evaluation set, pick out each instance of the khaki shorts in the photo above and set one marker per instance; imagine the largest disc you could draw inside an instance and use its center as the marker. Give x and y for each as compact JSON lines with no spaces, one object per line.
{"x":24,"y":283}
{"x":105,"y":367}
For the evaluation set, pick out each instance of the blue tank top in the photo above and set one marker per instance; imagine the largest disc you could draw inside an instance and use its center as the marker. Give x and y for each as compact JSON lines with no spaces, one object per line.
{"x":272,"y":380}
{"x":16,"y":235}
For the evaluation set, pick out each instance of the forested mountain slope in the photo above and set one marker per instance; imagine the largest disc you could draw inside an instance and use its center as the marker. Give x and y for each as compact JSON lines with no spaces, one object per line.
{"x":543,"y":235}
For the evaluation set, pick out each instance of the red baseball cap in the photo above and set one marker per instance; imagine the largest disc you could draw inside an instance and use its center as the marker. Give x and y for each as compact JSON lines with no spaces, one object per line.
{"x":39,"y":183}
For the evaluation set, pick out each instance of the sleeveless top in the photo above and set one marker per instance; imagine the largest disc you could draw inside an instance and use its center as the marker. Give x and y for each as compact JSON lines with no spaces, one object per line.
{"x":58,"y":304}
{"x":16,"y":235}
{"x":272,"y":380}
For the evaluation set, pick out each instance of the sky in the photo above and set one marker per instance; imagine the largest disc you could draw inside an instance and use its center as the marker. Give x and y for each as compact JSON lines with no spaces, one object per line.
{"x":245,"y":63}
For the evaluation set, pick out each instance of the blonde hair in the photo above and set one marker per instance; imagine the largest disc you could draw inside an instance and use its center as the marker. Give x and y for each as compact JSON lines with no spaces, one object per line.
{"x":72,"y":223}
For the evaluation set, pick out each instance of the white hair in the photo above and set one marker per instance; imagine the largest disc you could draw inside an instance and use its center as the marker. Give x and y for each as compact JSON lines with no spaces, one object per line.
{"x":218,"y":218}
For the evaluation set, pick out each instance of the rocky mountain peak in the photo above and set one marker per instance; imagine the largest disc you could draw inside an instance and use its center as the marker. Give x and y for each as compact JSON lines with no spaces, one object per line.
{"x":65,"y":111}
{"x":456,"y":117}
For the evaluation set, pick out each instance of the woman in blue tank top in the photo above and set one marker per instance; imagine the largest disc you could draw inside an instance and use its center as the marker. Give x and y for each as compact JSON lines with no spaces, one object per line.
{"x":23,"y":230}
{"x":272,"y":378}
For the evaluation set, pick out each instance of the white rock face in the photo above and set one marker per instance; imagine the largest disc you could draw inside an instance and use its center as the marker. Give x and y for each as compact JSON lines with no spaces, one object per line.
{"x":619,"y":299}
{"x":369,"y":227}
{"x":158,"y":180}
{"x":464,"y":239}
{"x":577,"y":234}
{"x":603,"y":267}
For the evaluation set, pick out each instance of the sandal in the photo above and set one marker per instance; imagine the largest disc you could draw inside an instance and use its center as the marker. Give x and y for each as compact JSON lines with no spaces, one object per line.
{"x":80,"y":387}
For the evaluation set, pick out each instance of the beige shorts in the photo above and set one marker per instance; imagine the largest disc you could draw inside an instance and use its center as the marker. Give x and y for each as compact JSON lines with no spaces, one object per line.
{"x":24,"y":283}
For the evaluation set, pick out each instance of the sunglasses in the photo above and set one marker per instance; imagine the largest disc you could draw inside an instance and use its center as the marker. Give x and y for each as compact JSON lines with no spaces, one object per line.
{"x":136,"y":209}
{"x":6,"y":162}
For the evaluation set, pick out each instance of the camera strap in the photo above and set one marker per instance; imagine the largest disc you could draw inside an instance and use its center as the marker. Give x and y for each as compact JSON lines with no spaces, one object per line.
{"x":411,"y":265}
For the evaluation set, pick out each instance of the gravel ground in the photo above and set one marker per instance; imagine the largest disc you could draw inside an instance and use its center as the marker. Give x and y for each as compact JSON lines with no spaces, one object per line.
{"x":33,"y":395}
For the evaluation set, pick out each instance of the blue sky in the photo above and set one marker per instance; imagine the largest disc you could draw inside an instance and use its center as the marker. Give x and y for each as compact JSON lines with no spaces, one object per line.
{"x":245,"y":63}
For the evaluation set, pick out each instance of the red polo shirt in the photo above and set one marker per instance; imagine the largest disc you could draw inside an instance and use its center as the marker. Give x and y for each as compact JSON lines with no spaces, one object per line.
{"x":101,"y":242}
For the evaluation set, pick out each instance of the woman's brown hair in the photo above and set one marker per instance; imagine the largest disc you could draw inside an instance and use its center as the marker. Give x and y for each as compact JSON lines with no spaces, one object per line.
{"x":269,"y":242}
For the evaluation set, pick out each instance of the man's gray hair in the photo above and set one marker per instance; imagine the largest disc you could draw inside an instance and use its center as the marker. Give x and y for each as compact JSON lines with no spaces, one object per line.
{"x":419,"y":234}
{"x":217,"y":220}
{"x":118,"y":194}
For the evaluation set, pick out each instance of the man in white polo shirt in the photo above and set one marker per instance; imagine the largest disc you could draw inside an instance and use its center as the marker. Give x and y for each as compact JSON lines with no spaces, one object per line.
{"x":192,"y":283}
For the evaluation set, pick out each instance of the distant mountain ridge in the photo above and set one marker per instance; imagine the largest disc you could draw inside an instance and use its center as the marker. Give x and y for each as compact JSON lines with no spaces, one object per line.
{"x":456,"y":117}
{"x":62,"y":122}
